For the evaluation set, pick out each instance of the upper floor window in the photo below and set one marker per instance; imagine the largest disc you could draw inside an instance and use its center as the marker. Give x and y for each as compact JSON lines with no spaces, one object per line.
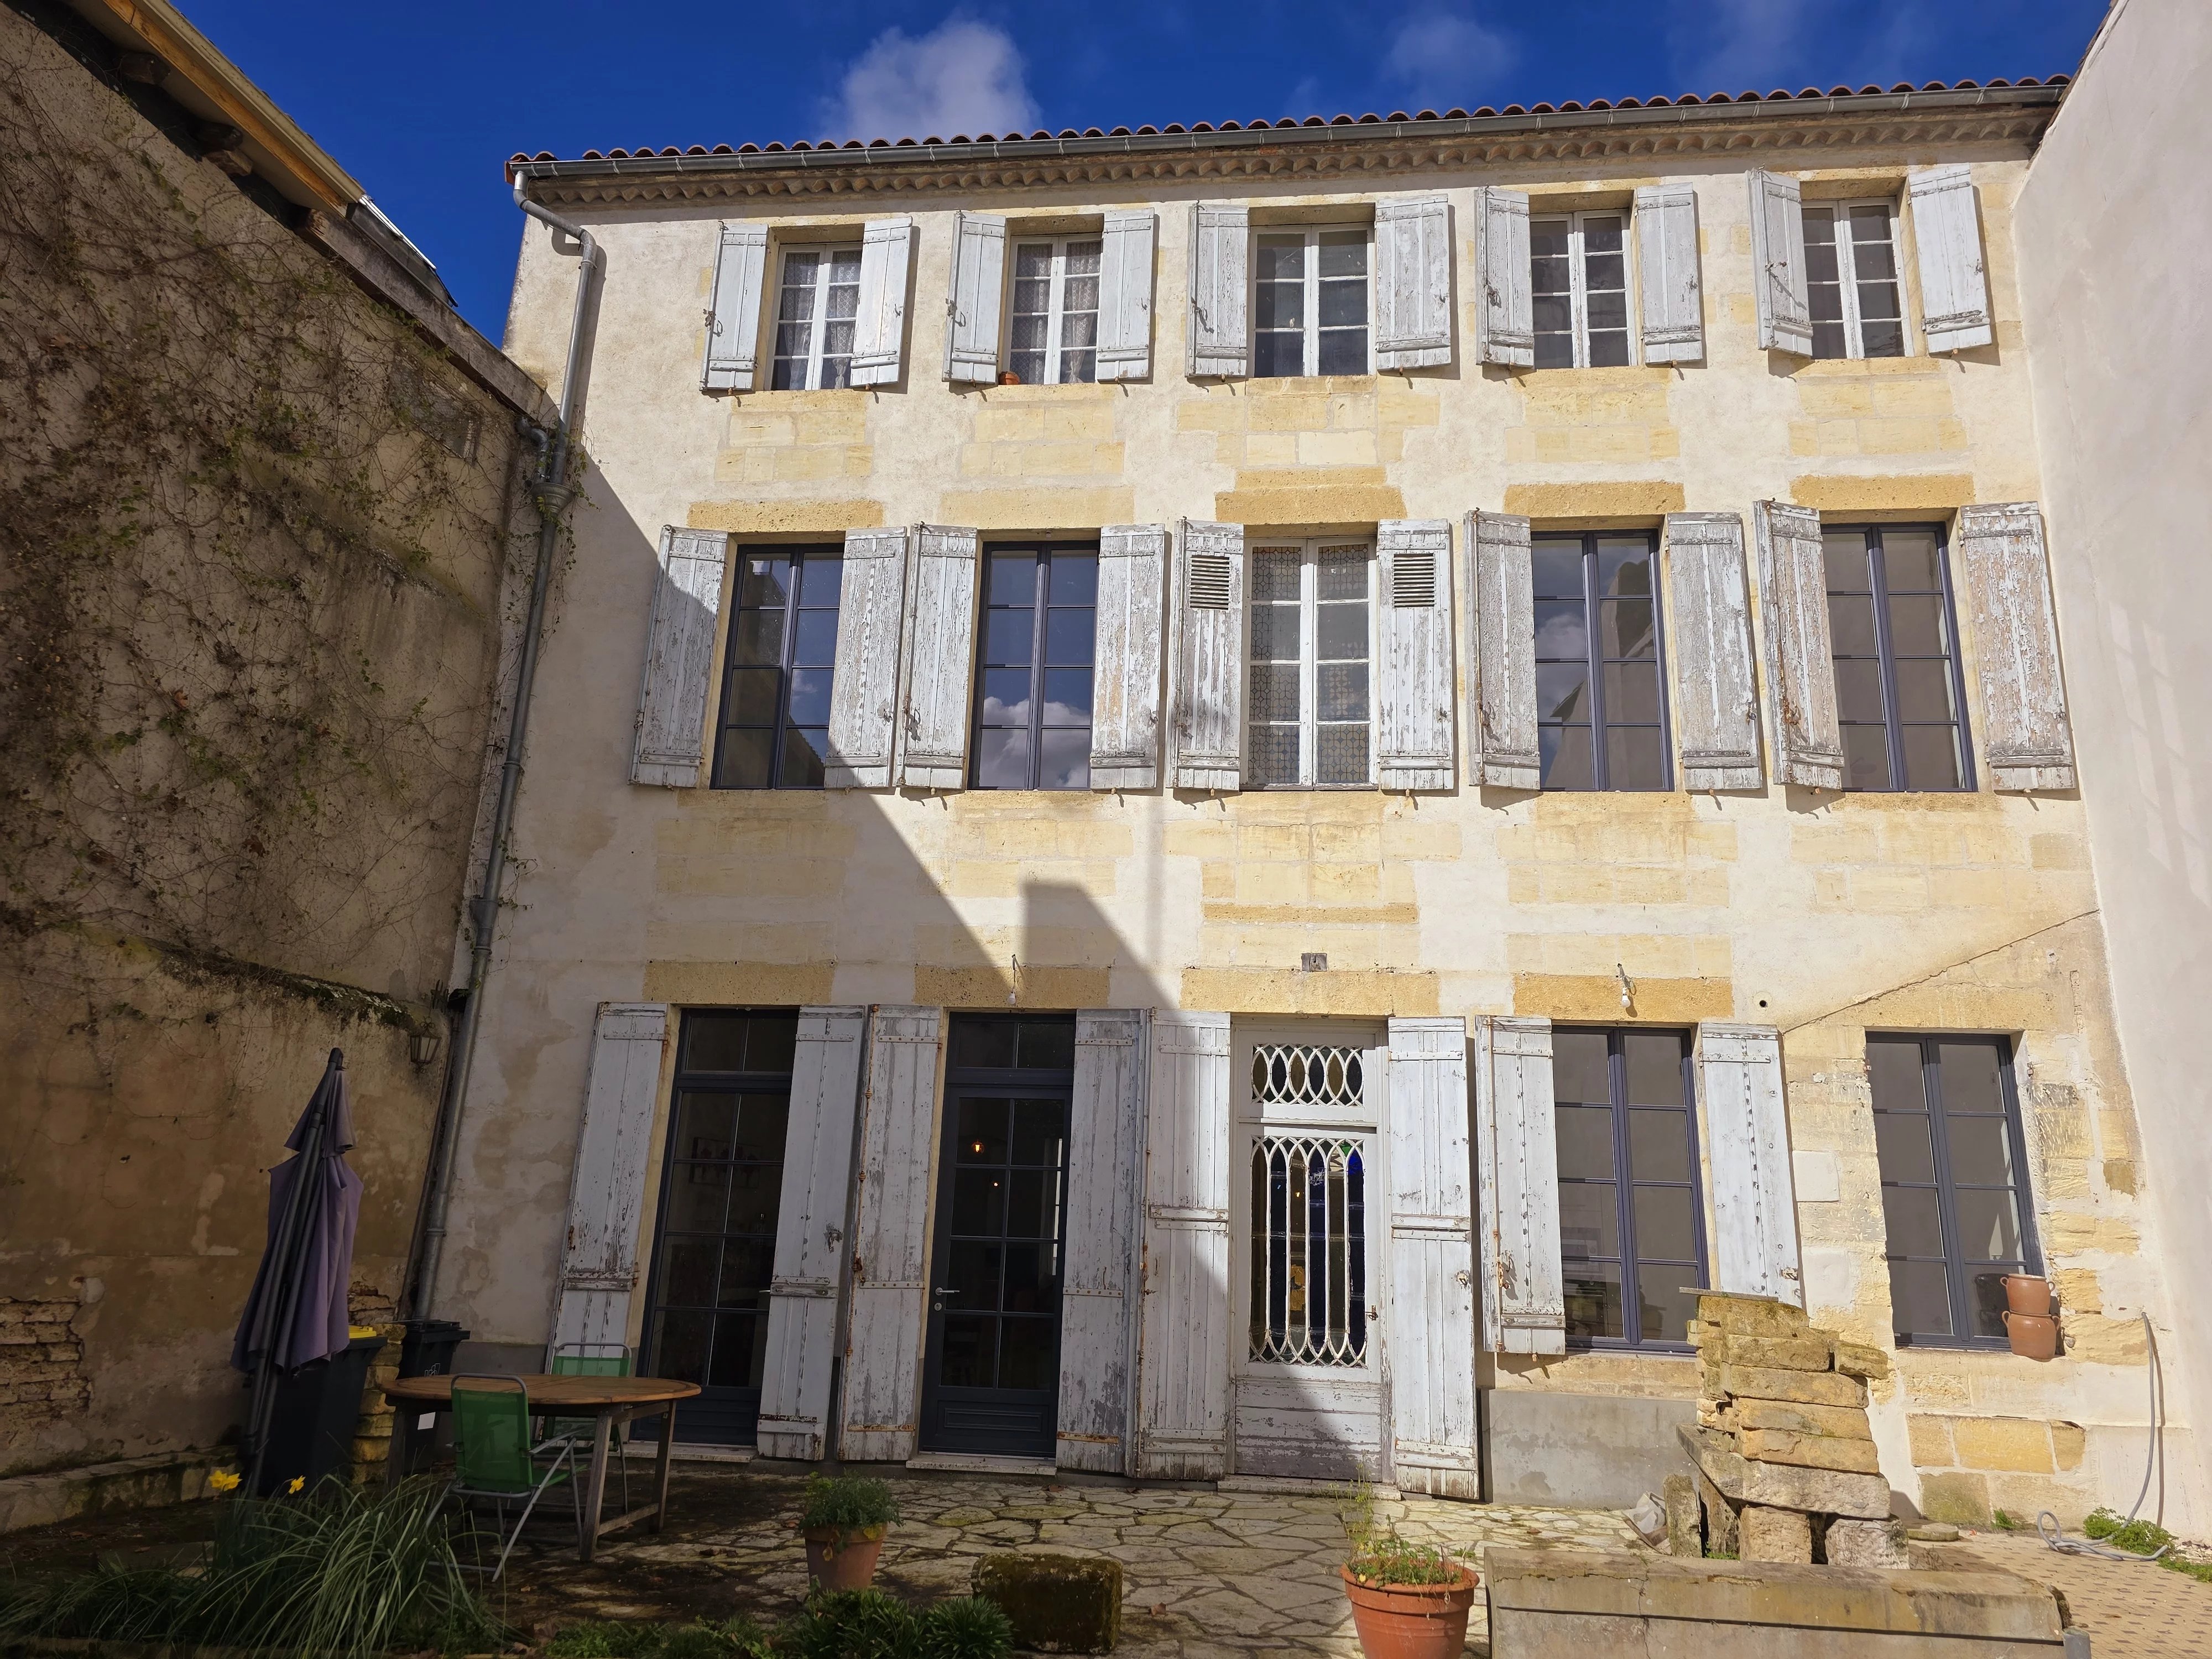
{"x":1850,"y":275}
{"x":1309,"y":303}
{"x":1033,"y":681}
{"x":1954,"y":1191}
{"x":818,"y":307}
{"x":774,"y":725}
{"x":1898,"y":689}
{"x":1631,"y":1227}
{"x":1578,"y":288}
{"x":1601,"y":707}
{"x":1053,"y":337}
{"x":1311,"y":703}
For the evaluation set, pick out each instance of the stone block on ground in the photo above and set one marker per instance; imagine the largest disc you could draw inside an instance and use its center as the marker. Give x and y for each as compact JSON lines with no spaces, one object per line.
{"x":1802,"y":1388}
{"x":1686,"y":1538}
{"x":1767,"y":1534}
{"x":1811,"y":1451}
{"x":1719,"y":1517}
{"x":1871,"y":1544}
{"x":1056,"y":1603}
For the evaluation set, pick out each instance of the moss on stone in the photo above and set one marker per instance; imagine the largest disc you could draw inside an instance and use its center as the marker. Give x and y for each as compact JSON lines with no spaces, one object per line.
{"x":1056,"y":1603}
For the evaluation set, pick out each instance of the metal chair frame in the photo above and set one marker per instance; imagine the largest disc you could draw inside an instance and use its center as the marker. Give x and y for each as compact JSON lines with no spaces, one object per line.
{"x":584,"y":1352}
{"x":561,"y":1468}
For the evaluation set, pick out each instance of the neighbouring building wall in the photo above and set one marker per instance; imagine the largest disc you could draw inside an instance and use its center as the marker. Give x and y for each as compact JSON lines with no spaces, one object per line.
{"x":2118,"y":330}
{"x":250,"y":614}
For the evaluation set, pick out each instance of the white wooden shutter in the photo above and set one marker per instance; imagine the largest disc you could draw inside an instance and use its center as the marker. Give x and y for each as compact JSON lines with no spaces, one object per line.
{"x":1674,"y":316}
{"x":1105,"y":1164}
{"x":1778,"y":260}
{"x":1501,"y":623}
{"x":1206,"y":719}
{"x":1125,"y":694}
{"x":979,"y":277}
{"x":733,"y":314}
{"x":811,"y":1217}
{"x":1517,"y":1164}
{"x":879,"y":336}
{"x":1182,"y":1431}
{"x":1505,"y":312}
{"x":1709,"y":636}
{"x":606,"y":1188}
{"x":1801,"y":670}
{"x":2026,"y":737}
{"x":1746,"y":1136}
{"x":940,"y":658}
{"x":1220,"y":246}
{"x":891,"y":1237}
{"x":679,"y":657}
{"x":1432,"y":1261}
{"x":1412,"y":282}
{"x":1125,"y":296}
{"x":1955,"y":285}
{"x":864,"y":688}
{"x":1416,"y":737}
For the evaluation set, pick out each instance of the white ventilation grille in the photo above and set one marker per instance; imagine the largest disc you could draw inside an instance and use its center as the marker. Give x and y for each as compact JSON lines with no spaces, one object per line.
{"x":1309,"y":1250}
{"x":1305,"y":1074}
{"x":1413,"y":579}
{"x":1207,"y":587}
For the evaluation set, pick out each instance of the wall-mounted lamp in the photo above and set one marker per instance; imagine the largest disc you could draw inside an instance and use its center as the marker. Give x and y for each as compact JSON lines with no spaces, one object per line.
{"x":1627,"y":986}
{"x":423,"y":1042}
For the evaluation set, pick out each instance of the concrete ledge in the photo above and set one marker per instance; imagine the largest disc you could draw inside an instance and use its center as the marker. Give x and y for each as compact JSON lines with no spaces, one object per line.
{"x":130,"y":1483}
{"x":1583,"y":1450}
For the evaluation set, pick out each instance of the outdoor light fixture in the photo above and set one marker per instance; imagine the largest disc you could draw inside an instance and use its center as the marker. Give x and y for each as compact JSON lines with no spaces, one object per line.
{"x":423,"y":1042}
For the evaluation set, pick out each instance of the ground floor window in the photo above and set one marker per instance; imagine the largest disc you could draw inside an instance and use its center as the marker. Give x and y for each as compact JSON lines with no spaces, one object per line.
{"x":1309,"y":1250}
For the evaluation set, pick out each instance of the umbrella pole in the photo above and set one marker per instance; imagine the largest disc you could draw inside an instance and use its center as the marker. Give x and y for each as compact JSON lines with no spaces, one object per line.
{"x":276,"y":1312}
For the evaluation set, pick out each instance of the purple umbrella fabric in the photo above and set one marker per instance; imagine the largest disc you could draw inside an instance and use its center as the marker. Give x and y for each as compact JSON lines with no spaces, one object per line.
{"x":322,"y":1265}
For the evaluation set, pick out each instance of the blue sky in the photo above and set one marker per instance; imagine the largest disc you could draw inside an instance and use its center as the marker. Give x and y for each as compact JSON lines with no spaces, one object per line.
{"x":423,"y":102}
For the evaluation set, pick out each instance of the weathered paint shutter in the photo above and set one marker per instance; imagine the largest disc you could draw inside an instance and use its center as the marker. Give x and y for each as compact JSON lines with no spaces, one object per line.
{"x":1207,"y":691}
{"x":1505,"y":312}
{"x":1801,"y":670}
{"x":1709,"y":636}
{"x":1954,"y":286}
{"x":1220,"y":244}
{"x":733,"y":314}
{"x":1517,"y":1161}
{"x":1674,"y":316}
{"x":864,"y":688}
{"x":979,"y":277}
{"x":1125,"y":296}
{"x":1412,"y":282}
{"x":2026,"y":739}
{"x":606,"y":1191}
{"x":1501,"y":623}
{"x":940,"y":656}
{"x":1125,"y":697}
{"x":1105,"y":1161}
{"x":879,"y":337}
{"x":1416,"y":738}
{"x":890,"y":1232}
{"x":1747,"y":1136}
{"x":1778,"y":260}
{"x":1432,"y":1261}
{"x":811,"y":1216}
{"x":1182,"y":1431}
{"x":679,"y":657}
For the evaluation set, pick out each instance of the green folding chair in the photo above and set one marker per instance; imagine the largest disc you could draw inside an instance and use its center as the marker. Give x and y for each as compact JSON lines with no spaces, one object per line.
{"x":495,"y":1457}
{"x":590,"y":1359}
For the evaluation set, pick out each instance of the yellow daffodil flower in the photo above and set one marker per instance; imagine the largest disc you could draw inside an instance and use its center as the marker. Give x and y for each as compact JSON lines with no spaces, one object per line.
{"x":222,"y":1480}
{"x":298,"y":1481}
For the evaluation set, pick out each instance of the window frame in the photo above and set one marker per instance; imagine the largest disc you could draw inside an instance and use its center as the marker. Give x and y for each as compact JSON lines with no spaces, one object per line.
{"x":1945,"y":1186}
{"x":795,"y":558}
{"x":1578,"y":281}
{"x":821,"y":319}
{"x":1847,"y":279}
{"x":1041,"y":607}
{"x":1893,"y":723}
{"x":1056,"y":312}
{"x":1310,"y":356}
{"x":1596,"y":663}
{"x":1309,"y":721}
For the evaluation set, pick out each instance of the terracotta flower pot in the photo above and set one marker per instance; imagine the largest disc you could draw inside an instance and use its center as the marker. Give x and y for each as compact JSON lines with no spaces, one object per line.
{"x":2027,"y":1293}
{"x":1410,"y":1621}
{"x":2033,"y":1336}
{"x":841,"y":1559}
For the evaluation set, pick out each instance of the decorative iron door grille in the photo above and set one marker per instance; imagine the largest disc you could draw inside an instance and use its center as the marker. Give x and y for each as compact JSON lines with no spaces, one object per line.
{"x":1305,"y":1074}
{"x":1309,"y":1244}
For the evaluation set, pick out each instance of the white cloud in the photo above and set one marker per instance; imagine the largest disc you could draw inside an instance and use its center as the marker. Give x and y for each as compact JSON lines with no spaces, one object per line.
{"x":1446,"y":57}
{"x":1734,"y":45}
{"x":964,"y":77}
{"x":1755,"y":45}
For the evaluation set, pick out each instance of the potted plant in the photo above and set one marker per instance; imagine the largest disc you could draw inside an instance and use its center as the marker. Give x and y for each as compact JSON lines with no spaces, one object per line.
{"x":843,"y":1523}
{"x":1408,"y":1601}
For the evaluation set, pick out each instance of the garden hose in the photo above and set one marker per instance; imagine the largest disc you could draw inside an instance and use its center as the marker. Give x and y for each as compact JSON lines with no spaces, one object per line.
{"x":2047,"y":1523}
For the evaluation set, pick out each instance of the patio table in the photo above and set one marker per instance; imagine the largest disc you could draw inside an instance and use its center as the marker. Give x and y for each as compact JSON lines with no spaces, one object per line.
{"x":610,"y":1402}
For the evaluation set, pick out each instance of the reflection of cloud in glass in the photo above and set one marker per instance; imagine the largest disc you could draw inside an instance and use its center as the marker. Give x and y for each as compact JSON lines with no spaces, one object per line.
{"x":997,"y":712}
{"x":1561,"y":636}
{"x":1067,"y":757}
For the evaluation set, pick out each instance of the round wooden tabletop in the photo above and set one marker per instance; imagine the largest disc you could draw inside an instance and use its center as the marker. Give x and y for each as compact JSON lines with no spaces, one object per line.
{"x":564,"y":1393}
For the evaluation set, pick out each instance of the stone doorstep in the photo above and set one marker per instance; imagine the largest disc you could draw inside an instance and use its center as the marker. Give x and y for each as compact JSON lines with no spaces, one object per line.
{"x":130,"y":1483}
{"x":1990,"y":1605}
{"x":1784,"y":1486}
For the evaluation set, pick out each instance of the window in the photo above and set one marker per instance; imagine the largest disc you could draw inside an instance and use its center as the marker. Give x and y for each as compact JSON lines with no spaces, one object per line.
{"x":1632,"y":1226}
{"x":1850,"y":275}
{"x":1053,"y":339}
{"x":1033,"y":686}
{"x":1309,"y":1214}
{"x":1309,"y":303}
{"x":1600,"y":702}
{"x":1310,"y":649}
{"x":1891,"y":627}
{"x":1579,"y":284}
{"x":1947,"y":1131}
{"x":776,"y":680}
{"x":818,"y":307}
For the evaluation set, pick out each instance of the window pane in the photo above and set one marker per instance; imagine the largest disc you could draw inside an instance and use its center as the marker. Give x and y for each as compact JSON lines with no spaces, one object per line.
{"x":1989,"y":1227}
{"x":1275,"y":355}
{"x":745,"y":1269}
{"x":1894,"y":1071}
{"x":1282,"y":258}
{"x":1563,"y":692}
{"x":971,"y":1356}
{"x":983,"y":1042}
{"x":1584,"y":1136}
{"x":1920,"y":1299}
{"x":1624,"y":567}
{"x":1911,"y":1218}
{"x":1027,"y":1361}
{"x":1012,"y":579}
{"x":1923,"y":689}
{"x":1343,"y":690}
{"x":979,"y":1200}
{"x":1851,"y":625}
{"x":983,"y":1122}
{"x":1916,"y":626}
{"x":1858,"y":690}
{"x":1002,"y":759}
{"x":1040,"y":1125}
{"x":1658,"y":1146}
{"x":757,"y":637}
{"x":1562,"y":630}
{"x":1931,"y":757}
{"x":1007,"y":636}
{"x":1665,"y":1223}
{"x":1006,"y":696}
{"x":1866,"y":757}
{"x":1067,"y":635}
{"x":1967,"y":1072}
{"x":688,"y":1268}
{"x":742,"y":758}
{"x":679,"y":1348}
{"x":712,"y":1042}
{"x":806,"y":750}
{"x":762,"y":581}
{"x":1985,"y":1301}
{"x":814,"y":640}
{"x":1343,"y":351}
{"x":1340,"y":573}
{"x":1068,"y":696}
{"x":1557,"y":567}
{"x":1580,"y":1069}
{"x":1632,"y":693}
{"x":1593,"y":1299}
{"x":1275,"y":575}
{"x":1653,"y":1062}
{"x":1274,"y":692}
{"x":1665,"y":1307}
{"x":1273,"y":754}
{"x":1902,"y":1148}
{"x":1908,"y":558}
{"x":1276,"y":630}
{"x":1590,"y":1220}
{"x":1064,"y":761}
{"x":1343,"y":633}
{"x":1074,"y":579}
{"x":810,"y":697}
{"x":1032,"y":1204}
{"x":1626,"y":628}
{"x":1850,"y":571}
{"x":1981,"y":1149}
{"x":1046,"y":1044}
{"x":1343,"y":253}
{"x":1564,"y":751}
{"x":1340,"y":755}
{"x":1635,"y":757}
{"x":752,"y":696}
{"x":697,"y":1199}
